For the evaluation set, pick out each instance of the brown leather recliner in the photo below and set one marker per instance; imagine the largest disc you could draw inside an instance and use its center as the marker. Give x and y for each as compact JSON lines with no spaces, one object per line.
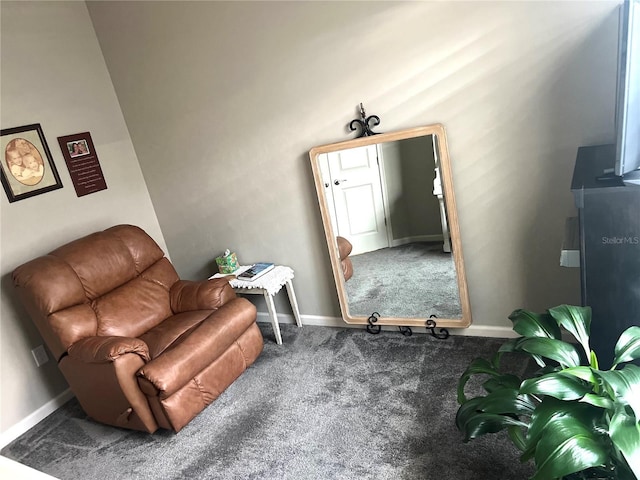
{"x":344,"y":249}
{"x":140,"y":348}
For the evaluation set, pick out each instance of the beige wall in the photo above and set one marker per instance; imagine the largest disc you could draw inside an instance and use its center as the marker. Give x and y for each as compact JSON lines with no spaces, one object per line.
{"x":226,"y":98}
{"x":52,"y":73}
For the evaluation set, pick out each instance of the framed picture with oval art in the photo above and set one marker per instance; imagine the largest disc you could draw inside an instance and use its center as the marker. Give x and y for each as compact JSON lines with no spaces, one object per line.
{"x":26,"y":165}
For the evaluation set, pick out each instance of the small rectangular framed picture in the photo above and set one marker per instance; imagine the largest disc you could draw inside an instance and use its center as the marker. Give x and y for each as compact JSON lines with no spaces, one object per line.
{"x":82,"y":161}
{"x":27,"y":168}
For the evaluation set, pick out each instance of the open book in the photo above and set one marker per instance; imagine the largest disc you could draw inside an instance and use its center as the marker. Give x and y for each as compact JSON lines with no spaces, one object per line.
{"x":255,"y":271}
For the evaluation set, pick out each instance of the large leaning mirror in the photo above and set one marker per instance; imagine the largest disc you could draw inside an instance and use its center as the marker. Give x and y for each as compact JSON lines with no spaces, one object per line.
{"x":389,"y":198}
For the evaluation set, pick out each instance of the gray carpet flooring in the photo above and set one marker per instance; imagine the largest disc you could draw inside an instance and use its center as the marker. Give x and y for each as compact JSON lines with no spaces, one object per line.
{"x":331,"y":403}
{"x":415,"y":280}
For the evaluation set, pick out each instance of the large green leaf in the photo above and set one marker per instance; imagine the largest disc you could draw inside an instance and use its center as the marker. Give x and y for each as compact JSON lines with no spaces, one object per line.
{"x":587,"y":374}
{"x":551,"y":410}
{"x":508,"y":381}
{"x":516,"y":434}
{"x":628,"y":346}
{"x":495,"y":360}
{"x":508,"y":401}
{"x":468,"y":410}
{"x":598,"y":401}
{"x":623,"y":386}
{"x":511,"y":345}
{"x":566,"y":447}
{"x":556,"y":385}
{"x":625,"y":433}
{"x":483,"y":423}
{"x":530,"y":324}
{"x":593,"y":360}
{"x":582,"y":372}
{"x":577,"y":320}
{"x":502,"y":402}
{"x":476,"y":367}
{"x":562,"y":352}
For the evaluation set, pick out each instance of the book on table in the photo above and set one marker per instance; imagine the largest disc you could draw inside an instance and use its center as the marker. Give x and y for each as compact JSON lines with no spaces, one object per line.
{"x":256,"y":271}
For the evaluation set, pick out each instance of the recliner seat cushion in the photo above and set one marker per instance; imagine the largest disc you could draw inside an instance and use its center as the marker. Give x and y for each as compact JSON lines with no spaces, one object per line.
{"x":159,"y":338}
{"x":184,"y":359}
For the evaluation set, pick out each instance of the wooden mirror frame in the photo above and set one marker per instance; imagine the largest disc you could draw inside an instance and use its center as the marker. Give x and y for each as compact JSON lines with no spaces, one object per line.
{"x":438,"y":131}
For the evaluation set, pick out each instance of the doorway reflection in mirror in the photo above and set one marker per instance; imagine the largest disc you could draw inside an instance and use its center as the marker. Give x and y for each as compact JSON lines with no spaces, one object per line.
{"x":380,"y":201}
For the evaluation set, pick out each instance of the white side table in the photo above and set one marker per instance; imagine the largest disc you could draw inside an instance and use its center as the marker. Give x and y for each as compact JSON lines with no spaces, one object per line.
{"x":268,"y":285}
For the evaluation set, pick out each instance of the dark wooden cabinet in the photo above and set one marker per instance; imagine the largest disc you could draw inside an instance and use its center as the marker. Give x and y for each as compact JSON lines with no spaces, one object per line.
{"x":609,"y":227}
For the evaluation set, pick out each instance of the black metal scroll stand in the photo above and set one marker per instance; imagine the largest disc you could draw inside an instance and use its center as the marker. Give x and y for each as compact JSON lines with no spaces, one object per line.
{"x":374,"y":328}
{"x":431,"y":325}
{"x":365,"y":128}
{"x":371,"y":328}
{"x":406,"y":331}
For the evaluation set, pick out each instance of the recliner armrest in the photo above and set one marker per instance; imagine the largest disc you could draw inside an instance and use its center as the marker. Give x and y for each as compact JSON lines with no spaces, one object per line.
{"x":187,"y":296}
{"x":107,"y":349}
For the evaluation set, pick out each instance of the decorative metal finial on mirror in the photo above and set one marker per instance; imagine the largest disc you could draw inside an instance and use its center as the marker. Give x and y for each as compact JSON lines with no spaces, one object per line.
{"x":365,"y":128}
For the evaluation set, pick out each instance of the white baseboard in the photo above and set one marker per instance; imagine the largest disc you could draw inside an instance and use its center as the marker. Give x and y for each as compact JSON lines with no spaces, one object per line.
{"x":26,"y":423}
{"x":322,"y":321}
{"x":418,"y":238}
{"x":12,"y":469}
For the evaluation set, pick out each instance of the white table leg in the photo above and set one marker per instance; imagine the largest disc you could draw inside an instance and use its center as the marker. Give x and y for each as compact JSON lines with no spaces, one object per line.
{"x":294,"y":302}
{"x":274,"y":317}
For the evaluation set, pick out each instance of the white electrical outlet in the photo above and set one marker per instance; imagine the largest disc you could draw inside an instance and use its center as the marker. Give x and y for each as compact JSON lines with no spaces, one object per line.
{"x":40,"y":355}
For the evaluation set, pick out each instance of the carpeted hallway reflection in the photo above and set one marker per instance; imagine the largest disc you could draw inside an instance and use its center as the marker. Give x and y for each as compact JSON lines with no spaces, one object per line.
{"x":331,"y":403}
{"x":413,"y":280}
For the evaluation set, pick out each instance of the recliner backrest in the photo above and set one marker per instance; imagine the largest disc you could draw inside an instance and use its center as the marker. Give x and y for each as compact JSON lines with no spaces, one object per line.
{"x":110,"y":283}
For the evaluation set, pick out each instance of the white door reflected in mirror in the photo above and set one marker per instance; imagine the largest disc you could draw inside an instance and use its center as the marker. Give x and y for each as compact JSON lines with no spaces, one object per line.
{"x":357,"y":211}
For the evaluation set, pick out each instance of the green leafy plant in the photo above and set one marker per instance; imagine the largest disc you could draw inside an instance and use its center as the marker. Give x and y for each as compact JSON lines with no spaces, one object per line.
{"x":572,"y":419}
